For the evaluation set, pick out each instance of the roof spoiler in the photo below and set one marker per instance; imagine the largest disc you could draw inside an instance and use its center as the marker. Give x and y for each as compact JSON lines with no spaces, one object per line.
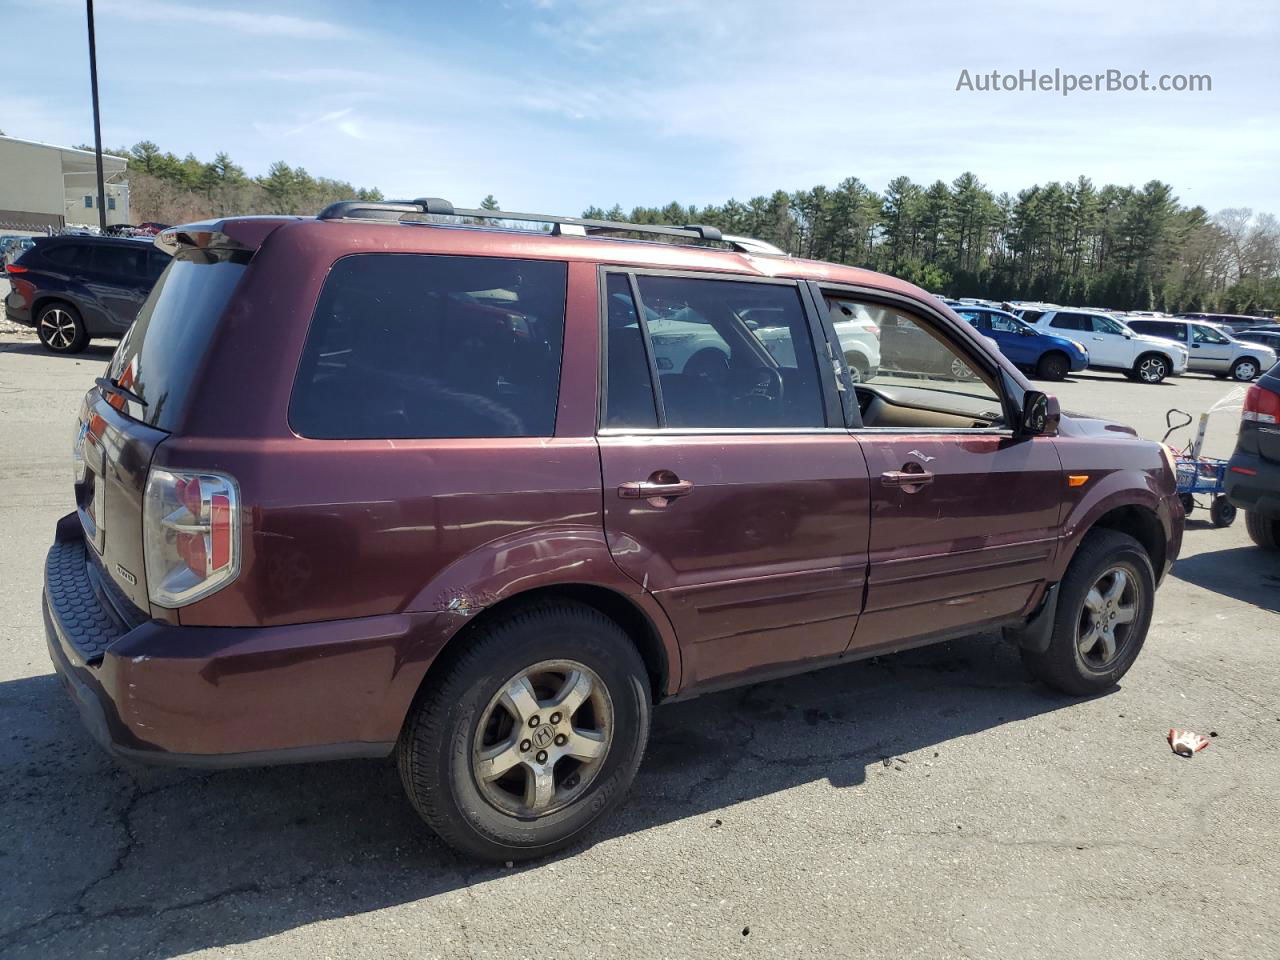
{"x":243,"y":234}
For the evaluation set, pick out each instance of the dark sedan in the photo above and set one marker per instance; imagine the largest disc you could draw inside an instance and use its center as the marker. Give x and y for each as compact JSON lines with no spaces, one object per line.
{"x":74,"y":288}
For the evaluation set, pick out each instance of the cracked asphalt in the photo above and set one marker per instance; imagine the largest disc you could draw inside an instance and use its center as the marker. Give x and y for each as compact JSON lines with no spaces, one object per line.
{"x":929,"y":804}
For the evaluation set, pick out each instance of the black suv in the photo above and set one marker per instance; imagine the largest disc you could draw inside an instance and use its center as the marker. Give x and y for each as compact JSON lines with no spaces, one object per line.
{"x":72,"y":289}
{"x":1253,"y":477}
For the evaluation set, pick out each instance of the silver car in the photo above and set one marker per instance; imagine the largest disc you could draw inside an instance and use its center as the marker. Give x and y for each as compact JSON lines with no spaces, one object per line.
{"x":1212,"y":348}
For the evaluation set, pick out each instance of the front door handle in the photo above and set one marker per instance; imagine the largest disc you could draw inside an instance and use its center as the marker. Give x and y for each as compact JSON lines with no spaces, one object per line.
{"x":660,"y":489}
{"x":908,"y":480}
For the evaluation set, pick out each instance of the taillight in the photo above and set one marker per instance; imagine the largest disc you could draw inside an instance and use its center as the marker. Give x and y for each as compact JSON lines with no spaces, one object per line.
{"x":1261,"y":406}
{"x":14,"y":268}
{"x":191,"y":524}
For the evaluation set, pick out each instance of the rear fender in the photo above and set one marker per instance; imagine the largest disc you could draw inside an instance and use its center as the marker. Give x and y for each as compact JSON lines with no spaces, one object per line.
{"x":547,"y":557}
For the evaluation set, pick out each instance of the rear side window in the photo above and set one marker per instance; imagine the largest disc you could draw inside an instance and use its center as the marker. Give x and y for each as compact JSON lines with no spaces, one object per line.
{"x":67,"y":256}
{"x":421,"y":346}
{"x":158,"y":357}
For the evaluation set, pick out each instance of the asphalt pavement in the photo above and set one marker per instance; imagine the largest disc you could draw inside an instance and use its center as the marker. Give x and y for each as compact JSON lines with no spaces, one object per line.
{"x":929,"y":804}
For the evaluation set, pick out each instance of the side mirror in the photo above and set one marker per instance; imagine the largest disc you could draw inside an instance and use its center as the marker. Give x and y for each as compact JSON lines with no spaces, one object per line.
{"x":1040,"y":415}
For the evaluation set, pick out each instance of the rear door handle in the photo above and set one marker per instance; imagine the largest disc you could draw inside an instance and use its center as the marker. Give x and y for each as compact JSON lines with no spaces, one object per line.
{"x":906,"y":478}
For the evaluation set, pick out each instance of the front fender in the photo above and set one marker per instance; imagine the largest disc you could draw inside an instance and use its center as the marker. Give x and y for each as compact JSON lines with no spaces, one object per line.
{"x":1126,"y":487}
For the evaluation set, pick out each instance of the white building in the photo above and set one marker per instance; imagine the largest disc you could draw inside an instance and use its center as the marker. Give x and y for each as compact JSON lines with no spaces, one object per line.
{"x":42,"y":185}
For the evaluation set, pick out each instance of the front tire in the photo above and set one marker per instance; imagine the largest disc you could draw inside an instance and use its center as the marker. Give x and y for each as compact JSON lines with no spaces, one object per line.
{"x":1053,"y":366}
{"x":533,"y":733}
{"x":1151,"y":368}
{"x":1245,"y":369}
{"x":60,"y":329}
{"x":1263,"y":530}
{"x":1104,"y":611}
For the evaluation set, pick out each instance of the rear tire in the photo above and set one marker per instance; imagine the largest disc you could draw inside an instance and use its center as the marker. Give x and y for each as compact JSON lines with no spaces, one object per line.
{"x":1188,"y":503}
{"x":473,"y":777}
{"x":1263,"y":530}
{"x":1245,"y":369}
{"x":1053,"y":366}
{"x":1080,"y":659}
{"x":60,"y":328}
{"x":1151,"y":368}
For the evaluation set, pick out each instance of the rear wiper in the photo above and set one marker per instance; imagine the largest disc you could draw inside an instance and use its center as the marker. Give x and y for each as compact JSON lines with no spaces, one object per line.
{"x":112,"y":387}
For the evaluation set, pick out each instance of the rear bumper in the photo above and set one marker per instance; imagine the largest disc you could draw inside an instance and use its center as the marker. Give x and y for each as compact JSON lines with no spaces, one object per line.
{"x":16,"y":308}
{"x":223,"y":697}
{"x":1258,"y":492}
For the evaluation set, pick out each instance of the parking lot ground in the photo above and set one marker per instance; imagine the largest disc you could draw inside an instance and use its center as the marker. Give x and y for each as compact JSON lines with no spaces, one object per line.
{"x":929,"y":804}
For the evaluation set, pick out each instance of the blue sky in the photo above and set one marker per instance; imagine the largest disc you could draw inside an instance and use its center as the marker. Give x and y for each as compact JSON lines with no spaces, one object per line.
{"x":553,"y":105}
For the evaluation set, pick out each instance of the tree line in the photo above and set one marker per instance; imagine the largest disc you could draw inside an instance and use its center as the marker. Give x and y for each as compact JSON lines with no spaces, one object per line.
{"x":166,"y":189}
{"x":1124,"y":247}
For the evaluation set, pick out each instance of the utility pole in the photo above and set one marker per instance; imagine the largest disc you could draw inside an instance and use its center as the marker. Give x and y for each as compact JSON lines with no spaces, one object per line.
{"x":97,"y":122}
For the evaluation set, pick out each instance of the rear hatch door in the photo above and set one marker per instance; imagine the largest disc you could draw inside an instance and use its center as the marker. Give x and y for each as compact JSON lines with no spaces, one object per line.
{"x":142,"y":399}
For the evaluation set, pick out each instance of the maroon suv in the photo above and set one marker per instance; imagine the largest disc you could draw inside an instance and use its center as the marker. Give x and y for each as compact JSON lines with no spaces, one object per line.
{"x":397,"y":480}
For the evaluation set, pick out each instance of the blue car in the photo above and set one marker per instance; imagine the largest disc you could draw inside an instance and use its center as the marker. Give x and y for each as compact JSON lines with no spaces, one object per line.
{"x":1046,"y":356}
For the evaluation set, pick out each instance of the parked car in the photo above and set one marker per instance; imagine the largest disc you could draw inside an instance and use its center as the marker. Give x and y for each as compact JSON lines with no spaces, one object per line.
{"x":1212,"y":349}
{"x":351,"y":488}
{"x":1114,"y":346}
{"x":1236,"y":321}
{"x":853,"y":324}
{"x":1047,"y":356}
{"x":73,"y":288}
{"x":1267,"y":336}
{"x":11,"y":248}
{"x":1253,"y":475}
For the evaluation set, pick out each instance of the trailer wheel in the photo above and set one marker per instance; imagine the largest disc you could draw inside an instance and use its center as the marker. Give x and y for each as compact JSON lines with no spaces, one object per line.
{"x":1222,"y":511}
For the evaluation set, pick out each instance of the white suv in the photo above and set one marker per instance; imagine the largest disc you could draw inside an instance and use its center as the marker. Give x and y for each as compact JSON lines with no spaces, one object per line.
{"x":1214,"y":349}
{"x":1114,"y":346}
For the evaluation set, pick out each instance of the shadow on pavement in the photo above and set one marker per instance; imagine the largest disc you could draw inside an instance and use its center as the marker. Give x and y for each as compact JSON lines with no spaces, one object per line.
{"x":1250,"y":574}
{"x":170,"y":862}
{"x":97,"y":350}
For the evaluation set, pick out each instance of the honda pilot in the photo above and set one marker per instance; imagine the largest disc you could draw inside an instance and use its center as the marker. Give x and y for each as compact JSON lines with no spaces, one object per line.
{"x":396,"y":481}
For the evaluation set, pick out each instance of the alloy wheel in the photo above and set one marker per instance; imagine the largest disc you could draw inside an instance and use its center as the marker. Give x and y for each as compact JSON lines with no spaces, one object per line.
{"x":1107,"y":616}
{"x":57,"y":328}
{"x":543,"y":738}
{"x":960,"y":370}
{"x":1152,"y":370}
{"x":1246,"y":370}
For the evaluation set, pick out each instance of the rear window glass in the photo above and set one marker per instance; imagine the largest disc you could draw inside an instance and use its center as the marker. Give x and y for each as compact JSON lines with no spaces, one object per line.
{"x":157,"y":358}
{"x":422,"y":346}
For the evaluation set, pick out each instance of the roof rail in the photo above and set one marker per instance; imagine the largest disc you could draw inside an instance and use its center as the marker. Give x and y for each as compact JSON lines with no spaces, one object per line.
{"x":396,"y":211}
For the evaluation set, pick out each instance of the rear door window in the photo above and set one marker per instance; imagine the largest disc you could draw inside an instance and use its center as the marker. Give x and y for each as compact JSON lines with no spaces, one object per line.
{"x":1071,"y":321}
{"x":126,"y":263}
{"x":422,"y":346}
